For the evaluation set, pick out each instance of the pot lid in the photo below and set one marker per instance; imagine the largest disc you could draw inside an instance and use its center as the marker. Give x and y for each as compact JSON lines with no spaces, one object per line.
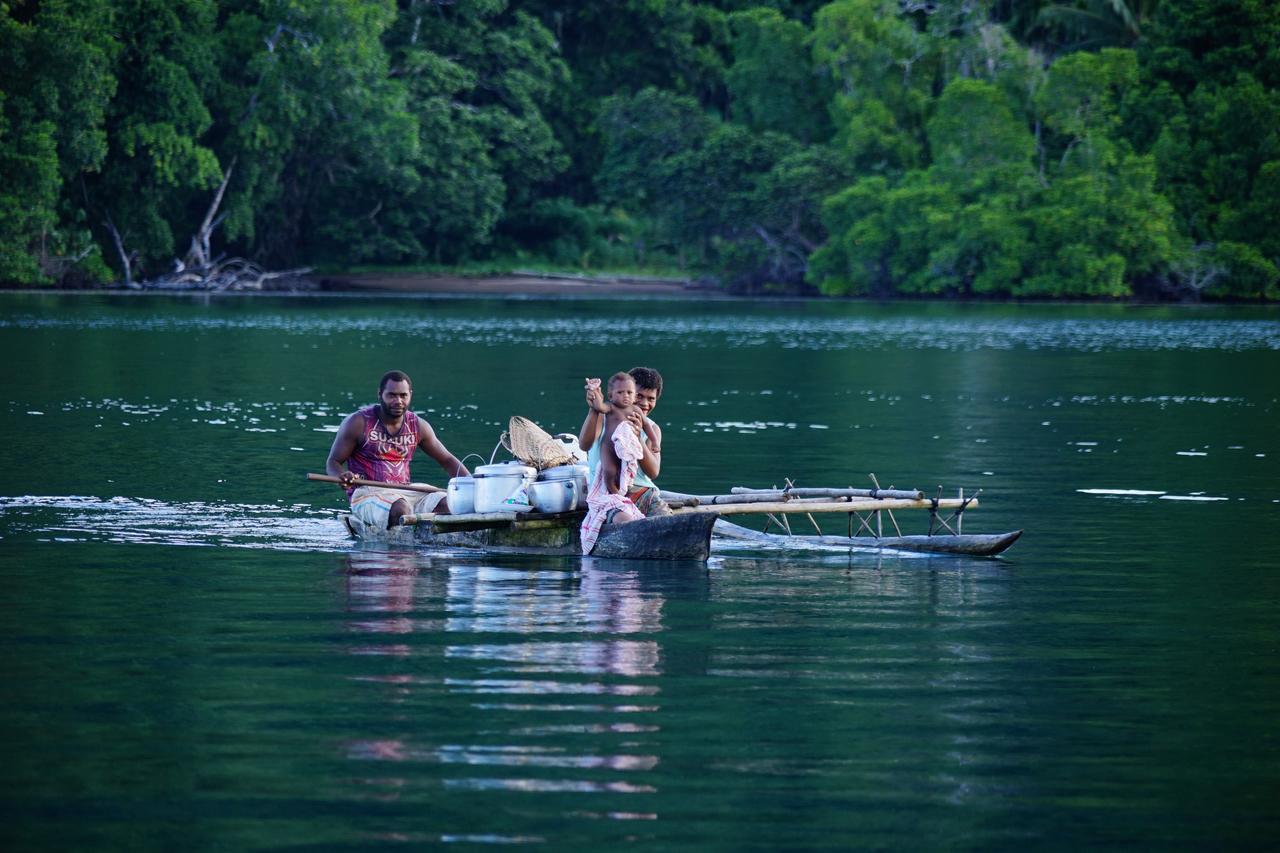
{"x":562,"y":472}
{"x":504,"y":469}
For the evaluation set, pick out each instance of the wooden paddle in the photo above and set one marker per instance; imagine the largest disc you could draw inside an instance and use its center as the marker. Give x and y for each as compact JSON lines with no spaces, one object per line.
{"x":361,"y":481}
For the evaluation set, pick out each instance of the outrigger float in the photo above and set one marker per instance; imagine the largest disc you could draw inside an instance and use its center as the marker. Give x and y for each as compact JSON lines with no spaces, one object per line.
{"x":696,"y":526}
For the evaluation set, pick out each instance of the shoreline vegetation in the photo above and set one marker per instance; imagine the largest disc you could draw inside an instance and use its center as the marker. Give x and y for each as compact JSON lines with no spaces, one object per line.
{"x":887,"y":149}
{"x":555,"y":285}
{"x":516,"y":283}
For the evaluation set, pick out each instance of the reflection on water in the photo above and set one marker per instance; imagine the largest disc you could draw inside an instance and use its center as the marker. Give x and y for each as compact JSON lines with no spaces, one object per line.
{"x":472,"y":637}
{"x":559,"y":673}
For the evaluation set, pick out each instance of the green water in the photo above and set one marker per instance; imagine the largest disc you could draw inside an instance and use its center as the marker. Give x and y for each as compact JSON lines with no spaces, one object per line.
{"x":194,"y":656}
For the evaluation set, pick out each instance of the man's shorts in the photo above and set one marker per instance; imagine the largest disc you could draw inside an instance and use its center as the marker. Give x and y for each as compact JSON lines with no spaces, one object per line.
{"x":372,"y":505}
{"x":647,"y":501}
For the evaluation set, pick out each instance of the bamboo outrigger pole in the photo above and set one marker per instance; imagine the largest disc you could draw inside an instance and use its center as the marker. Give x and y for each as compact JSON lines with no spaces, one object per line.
{"x":783,"y":494}
{"x":809,"y":506}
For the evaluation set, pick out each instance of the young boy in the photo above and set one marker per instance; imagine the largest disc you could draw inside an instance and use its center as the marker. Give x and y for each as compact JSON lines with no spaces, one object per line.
{"x":620,"y":454}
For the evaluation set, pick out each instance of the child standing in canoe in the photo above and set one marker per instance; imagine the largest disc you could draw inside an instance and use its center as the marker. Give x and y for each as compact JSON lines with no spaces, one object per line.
{"x":620,"y":454}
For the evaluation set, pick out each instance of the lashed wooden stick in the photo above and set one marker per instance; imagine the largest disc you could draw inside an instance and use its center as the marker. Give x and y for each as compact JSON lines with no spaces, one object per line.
{"x":913,"y":494}
{"x":822,"y":506}
{"x":361,"y":481}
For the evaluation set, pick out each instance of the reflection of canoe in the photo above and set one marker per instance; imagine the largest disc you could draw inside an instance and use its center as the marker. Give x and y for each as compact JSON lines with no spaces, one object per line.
{"x":675,"y":537}
{"x":976,"y":545}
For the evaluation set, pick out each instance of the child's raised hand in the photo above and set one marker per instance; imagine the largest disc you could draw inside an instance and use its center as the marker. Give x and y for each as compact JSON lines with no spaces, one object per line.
{"x":595,"y":399}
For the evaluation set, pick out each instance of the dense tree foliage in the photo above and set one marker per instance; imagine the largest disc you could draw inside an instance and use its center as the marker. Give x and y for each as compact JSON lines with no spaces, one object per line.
{"x":1053,"y":148}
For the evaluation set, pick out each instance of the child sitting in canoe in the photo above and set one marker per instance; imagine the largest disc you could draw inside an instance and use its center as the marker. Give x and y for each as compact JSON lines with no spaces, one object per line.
{"x":620,"y":454}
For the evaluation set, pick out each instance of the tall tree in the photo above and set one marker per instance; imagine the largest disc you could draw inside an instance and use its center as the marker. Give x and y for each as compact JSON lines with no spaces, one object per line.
{"x":618,"y":49}
{"x":883,"y":70}
{"x":56,"y":82}
{"x":156,"y":161}
{"x":773,"y":85}
{"x":957,"y":227}
{"x":1209,"y":112}
{"x":312,"y":118}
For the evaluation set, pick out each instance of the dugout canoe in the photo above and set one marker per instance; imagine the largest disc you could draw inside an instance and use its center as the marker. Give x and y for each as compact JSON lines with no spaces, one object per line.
{"x":675,"y":537}
{"x":731,"y":535}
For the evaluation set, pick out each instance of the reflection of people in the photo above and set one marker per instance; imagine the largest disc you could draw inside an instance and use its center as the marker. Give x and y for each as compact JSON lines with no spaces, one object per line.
{"x":620,"y":454}
{"x":644,"y":491}
{"x":377,"y":443}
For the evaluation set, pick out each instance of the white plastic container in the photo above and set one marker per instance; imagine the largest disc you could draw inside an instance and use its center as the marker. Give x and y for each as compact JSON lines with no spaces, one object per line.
{"x":570,"y":442}
{"x":494,"y":484}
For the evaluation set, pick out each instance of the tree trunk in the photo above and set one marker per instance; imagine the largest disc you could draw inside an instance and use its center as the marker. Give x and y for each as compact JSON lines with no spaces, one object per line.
{"x":199,"y":253}
{"x":126,"y":264}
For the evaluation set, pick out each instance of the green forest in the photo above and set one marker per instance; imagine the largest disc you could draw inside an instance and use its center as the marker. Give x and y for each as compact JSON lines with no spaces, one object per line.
{"x":964,"y":148}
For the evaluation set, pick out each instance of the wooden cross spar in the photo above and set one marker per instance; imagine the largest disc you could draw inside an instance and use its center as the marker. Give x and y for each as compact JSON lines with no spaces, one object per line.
{"x":361,"y":481}
{"x":823,"y":505}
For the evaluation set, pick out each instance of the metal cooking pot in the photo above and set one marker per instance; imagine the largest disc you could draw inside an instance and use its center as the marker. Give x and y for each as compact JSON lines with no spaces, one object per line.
{"x":577,"y":473}
{"x":505,"y":469}
{"x":462,"y":495}
{"x":495,"y":483}
{"x":559,"y":472}
{"x":559,"y":495}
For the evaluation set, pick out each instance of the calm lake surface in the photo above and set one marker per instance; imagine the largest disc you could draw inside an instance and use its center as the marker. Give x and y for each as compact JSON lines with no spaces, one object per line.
{"x":195,"y":656}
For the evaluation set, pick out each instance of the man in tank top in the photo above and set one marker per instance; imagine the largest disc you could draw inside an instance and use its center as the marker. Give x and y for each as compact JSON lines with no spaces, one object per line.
{"x":377,"y":443}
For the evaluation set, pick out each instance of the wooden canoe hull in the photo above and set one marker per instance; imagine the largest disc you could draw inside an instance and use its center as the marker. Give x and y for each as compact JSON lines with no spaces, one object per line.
{"x":675,"y":537}
{"x":686,"y":536}
{"x":966,"y":544}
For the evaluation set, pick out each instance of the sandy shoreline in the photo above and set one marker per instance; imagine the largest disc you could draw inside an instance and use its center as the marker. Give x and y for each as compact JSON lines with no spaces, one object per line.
{"x":390,"y":284}
{"x":514,"y":284}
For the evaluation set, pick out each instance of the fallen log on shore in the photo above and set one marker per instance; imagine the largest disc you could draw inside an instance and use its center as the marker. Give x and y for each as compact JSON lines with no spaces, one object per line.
{"x":230,"y":275}
{"x":200,"y":270}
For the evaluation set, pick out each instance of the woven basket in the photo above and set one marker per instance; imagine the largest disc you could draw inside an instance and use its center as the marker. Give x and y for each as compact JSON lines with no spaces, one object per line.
{"x":532,"y":445}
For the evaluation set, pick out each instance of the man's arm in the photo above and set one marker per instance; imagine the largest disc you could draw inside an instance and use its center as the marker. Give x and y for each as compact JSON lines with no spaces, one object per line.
{"x":433,"y":447}
{"x":597,"y":408}
{"x":651,"y":462}
{"x":344,"y":444}
{"x":590,"y":429}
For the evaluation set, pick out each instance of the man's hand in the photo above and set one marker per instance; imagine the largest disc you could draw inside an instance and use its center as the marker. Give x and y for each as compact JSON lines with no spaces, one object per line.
{"x":347,"y":479}
{"x":635,"y":417}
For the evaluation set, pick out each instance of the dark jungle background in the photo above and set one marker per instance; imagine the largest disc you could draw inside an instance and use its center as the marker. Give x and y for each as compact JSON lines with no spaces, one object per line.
{"x":1087,"y":149}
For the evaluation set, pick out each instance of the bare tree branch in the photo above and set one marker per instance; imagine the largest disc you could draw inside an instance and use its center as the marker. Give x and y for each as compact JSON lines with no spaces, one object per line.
{"x":126,"y":260}
{"x":198,"y":255}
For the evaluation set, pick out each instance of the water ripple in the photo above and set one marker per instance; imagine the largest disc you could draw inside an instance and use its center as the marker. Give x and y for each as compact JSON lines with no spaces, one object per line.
{"x":746,"y":331}
{"x":620,"y":657}
{"x":80,"y":518}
